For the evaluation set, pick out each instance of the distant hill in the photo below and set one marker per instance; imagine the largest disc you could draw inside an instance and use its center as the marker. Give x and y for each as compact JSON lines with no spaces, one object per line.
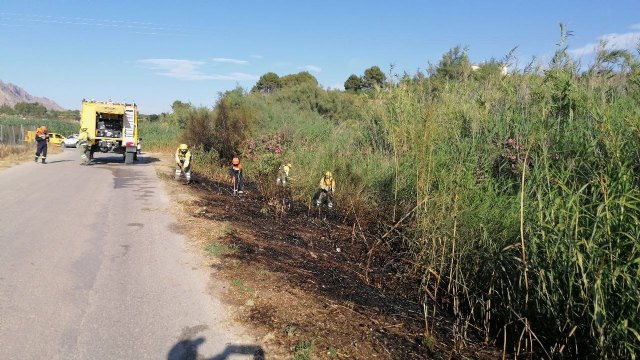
{"x":11,"y":94}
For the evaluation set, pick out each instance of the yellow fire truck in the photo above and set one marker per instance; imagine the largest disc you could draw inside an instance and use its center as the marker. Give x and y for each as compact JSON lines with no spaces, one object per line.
{"x":110,"y":127}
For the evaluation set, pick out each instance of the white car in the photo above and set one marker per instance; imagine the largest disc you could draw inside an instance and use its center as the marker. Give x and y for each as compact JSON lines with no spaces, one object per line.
{"x":70,"y":141}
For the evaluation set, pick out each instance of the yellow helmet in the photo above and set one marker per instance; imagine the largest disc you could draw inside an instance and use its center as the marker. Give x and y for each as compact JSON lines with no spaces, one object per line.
{"x":288,"y":165}
{"x":183,"y":147}
{"x":328,"y":174}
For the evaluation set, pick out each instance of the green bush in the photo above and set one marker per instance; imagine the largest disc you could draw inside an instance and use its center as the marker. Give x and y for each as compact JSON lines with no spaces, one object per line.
{"x":158,"y":136}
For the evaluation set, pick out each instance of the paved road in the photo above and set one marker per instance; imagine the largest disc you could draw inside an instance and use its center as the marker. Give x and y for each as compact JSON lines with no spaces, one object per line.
{"x":92,"y":266}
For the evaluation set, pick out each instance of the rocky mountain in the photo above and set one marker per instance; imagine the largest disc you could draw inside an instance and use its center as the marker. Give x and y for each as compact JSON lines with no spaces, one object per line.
{"x":11,"y":94}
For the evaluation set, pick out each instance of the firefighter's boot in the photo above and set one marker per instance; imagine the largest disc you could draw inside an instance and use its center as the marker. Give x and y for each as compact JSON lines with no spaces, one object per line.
{"x":36,"y":160}
{"x":44,"y":160}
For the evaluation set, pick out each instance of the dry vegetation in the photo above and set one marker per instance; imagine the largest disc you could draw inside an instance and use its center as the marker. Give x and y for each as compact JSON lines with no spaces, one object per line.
{"x":11,"y":155}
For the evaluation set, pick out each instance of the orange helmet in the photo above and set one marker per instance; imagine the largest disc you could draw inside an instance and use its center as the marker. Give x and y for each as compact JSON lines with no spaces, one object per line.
{"x":235,"y":161}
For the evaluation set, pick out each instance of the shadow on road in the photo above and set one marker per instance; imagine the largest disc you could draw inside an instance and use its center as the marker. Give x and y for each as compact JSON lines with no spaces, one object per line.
{"x":106,"y":160}
{"x":188,"y":350}
{"x":147,"y":159}
{"x":57,"y":161}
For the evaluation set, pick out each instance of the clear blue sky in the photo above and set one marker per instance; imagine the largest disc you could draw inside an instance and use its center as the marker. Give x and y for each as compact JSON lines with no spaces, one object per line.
{"x":155,"y":52}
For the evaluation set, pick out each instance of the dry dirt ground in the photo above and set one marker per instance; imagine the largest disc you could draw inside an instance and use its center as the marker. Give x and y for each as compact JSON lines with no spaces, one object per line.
{"x":306,"y":285}
{"x":11,"y":155}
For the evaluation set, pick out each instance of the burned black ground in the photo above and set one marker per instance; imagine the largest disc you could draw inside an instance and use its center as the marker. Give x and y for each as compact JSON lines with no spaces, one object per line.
{"x":315,"y":274}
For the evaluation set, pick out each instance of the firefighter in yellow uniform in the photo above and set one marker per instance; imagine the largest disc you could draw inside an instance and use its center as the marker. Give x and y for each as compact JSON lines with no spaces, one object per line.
{"x":326,"y":188}
{"x":283,"y":175}
{"x":183,"y":162}
{"x":282,"y":182}
{"x":84,"y":147}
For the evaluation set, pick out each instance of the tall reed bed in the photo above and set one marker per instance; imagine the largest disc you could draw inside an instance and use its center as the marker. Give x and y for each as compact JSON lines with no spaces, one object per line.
{"x":526,"y":200}
{"x":158,"y":136}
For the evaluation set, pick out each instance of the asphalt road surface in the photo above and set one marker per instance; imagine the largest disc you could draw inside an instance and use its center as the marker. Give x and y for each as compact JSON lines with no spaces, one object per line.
{"x":93,"y":266}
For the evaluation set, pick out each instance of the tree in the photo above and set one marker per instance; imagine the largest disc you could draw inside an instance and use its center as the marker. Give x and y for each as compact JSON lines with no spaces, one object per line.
{"x":300,"y":78}
{"x":454,"y":65}
{"x":180,"y":111}
{"x":153,"y":117}
{"x":6,"y":109}
{"x":267,"y":83}
{"x":353,"y":83}
{"x":198,"y":128}
{"x":373,"y":77}
{"x":233,"y":119}
{"x":33,"y":109}
{"x":178,"y":106}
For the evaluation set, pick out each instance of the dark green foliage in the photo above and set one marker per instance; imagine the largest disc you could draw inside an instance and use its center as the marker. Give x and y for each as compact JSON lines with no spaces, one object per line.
{"x":267,"y":83}
{"x":333,"y":104}
{"x":338,"y":106}
{"x":180,"y":113}
{"x":373,"y":77}
{"x":180,"y":107}
{"x":454,"y":65}
{"x":301,"y":78}
{"x":150,"y":118}
{"x":29,"y":109}
{"x":233,"y":121}
{"x":6,"y":109}
{"x":199,"y":128}
{"x":353,"y":83}
{"x":305,"y":96}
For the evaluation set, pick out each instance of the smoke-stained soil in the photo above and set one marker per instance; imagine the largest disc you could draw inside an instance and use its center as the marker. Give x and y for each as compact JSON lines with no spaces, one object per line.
{"x":306,"y":280}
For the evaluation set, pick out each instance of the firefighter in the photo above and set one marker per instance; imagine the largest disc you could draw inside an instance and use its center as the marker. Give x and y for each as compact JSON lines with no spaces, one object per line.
{"x":283,"y":175}
{"x":326,"y":188}
{"x":42,"y":138}
{"x":282,"y":182}
{"x":236,"y":176}
{"x":183,"y":161}
{"x":83,"y":146}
